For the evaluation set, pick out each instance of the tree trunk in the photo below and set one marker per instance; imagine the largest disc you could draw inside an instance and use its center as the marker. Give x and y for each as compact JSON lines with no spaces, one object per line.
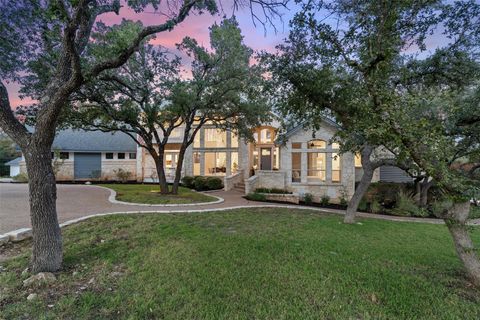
{"x":178,"y":170}
{"x":424,"y":187}
{"x":358,"y":195}
{"x":456,"y":223}
{"x":47,"y":252}
{"x":162,"y":179}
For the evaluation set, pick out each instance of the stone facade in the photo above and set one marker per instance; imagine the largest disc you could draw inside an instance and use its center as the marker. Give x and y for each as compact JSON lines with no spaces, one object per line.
{"x":65,"y":167}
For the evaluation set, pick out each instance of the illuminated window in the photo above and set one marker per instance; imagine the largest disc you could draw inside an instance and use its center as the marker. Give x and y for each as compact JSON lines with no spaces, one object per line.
{"x":317,"y":144}
{"x":296,"y":167}
{"x":358,"y":160}
{"x":196,"y":140}
{"x":266,"y":136}
{"x":276,"y":158}
{"x":234,"y":162}
{"x":336,"y":167}
{"x":296,"y":145}
{"x":215,"y":163}
{"x":233,"y":140}
{"x":196,"y":163}
{"x":335,"y":145}
{"x":316,"y":166}
{"x":215,"y":138}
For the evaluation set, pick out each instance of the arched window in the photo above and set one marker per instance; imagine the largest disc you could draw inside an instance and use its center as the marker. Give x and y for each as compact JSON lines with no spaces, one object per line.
{"x":317,"y":144}
{"x":266,"y":136}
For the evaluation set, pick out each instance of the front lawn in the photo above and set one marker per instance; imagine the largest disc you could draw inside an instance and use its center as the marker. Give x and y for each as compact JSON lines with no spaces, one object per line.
{"x":248,"y":264}
{"x":150,"y":193}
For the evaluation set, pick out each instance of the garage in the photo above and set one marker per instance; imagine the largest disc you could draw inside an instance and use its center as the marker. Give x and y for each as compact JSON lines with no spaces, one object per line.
{"x":87,"y":165}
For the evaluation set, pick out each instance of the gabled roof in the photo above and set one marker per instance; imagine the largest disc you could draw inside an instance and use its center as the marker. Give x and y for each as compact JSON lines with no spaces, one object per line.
{"x":93,"y":141}
{"x":282,"y":139}
{"x":14,"y":162}
{"x":296,"y":128}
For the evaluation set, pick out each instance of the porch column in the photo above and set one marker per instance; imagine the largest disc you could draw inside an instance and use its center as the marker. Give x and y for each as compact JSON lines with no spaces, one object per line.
{"x":328,"y":167}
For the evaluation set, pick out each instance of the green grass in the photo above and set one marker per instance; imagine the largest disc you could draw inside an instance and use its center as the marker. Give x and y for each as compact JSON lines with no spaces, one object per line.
{"x":249,"y":264}
{"x":149,"y":193}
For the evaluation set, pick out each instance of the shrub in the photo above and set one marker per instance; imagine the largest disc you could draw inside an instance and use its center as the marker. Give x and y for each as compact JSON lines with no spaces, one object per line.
{"x":325,"y":200}
{"x":200,"y":183}
{"x":21,"y":177}
{"x":256,"y":197}
{"x":188,"y":182}
{"x":375,"y":207}
{"x":122,"y":175}
{"x":214,"y":183}
{"x":405,"y":206}
{"x":343,"y":202}
{"x":363,"y":205}
{"x":272,"y":190}
{"x":386,"y":193}
{"x":308,"y":198}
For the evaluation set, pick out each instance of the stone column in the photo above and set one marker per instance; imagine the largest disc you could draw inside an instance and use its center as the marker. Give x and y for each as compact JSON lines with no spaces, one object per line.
{"x":328,"y":176}
{"x":304,"y":167}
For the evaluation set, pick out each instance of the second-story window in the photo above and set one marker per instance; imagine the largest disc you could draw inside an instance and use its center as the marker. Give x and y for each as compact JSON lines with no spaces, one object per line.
{"x":215,"y":138}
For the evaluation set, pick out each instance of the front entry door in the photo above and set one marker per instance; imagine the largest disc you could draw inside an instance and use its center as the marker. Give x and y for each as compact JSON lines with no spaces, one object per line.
{"x":266,"y":159}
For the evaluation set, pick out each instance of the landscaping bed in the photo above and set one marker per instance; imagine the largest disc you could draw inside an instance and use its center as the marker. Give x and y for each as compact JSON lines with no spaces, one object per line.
{"x":246,"y":264}
{"x":150,"y":194}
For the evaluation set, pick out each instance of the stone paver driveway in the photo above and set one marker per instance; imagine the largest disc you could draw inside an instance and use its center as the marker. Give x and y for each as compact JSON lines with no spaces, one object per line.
{"x":75,"y":201}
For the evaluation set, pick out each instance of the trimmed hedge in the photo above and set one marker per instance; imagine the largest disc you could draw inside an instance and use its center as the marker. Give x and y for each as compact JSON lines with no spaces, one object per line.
{"x":201,"y":183}
{"x":272,"y":190}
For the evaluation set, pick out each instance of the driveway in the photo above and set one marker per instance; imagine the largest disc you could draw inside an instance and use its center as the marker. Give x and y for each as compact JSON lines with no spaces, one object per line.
{"x":75,"y":201}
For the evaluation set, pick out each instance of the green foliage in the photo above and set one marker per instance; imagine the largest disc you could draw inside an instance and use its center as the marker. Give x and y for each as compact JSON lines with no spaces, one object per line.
{"x":188,"y":182}
{"x":272,"y":190}
{"x":363,"y":205}
{"x":122,"y":175}
{"x":325,"y":200}
{"x":7,"y":153}
{"x":200,"y":183}
{"x":386,"y":193}
{"x":214,"y":183}
{"x":343,"y":202}
{"x":21,"y":177}
{"x":406,"y":206}
{"x":375,"y":207}
{"x":150,"y":194}
{"x":402,"y":265}
{"x":308,"y":198}
{"x":254,"y":196}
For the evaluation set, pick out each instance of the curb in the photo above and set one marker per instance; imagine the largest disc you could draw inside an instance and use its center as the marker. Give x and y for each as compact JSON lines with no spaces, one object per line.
{"x":25,"y":233}
{"x":113,"y":195}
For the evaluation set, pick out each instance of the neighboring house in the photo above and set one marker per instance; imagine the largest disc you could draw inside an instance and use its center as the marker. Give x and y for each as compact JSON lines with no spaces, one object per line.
{"x":91,"y":155}
{"x":14,"y":166}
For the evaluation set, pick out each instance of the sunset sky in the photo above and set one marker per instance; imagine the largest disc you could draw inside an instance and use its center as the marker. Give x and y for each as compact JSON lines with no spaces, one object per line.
{"x":257,"y":37}
{"x":196,"y":26}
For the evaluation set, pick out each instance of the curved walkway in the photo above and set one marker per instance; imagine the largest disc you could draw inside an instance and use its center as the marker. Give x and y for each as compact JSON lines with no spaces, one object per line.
{"x":80,"y":201}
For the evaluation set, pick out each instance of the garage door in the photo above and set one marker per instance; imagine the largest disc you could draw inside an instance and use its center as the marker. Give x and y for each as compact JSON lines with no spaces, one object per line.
{"x":87,"y":165}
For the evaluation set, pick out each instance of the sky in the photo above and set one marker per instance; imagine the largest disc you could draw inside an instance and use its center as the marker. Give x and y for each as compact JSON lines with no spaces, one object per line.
{"x":196,"y":26}
{"x":257,"y":37}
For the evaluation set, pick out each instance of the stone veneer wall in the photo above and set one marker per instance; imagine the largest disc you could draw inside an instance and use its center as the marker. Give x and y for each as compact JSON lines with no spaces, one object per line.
{"x":66,"y":169}
{"x":317,"y":189}
{"x":270,"y":179}
{"x":109,"y":166}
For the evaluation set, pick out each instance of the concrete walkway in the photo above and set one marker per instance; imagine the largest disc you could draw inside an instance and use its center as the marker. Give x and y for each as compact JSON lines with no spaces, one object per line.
{"x":77,"y":201}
